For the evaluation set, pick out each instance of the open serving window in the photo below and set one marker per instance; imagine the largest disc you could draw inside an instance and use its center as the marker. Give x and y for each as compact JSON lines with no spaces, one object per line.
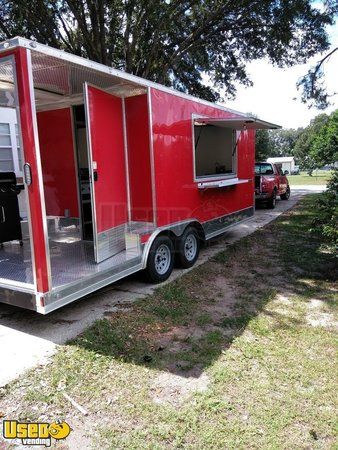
{"x":214,"y":151}
{"x":215,"y":148}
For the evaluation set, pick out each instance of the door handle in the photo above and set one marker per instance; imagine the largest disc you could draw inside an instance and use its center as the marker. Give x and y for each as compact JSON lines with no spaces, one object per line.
{"x":3,"y":216}
{"x":95,"y":176}
{"x":27,"y":172}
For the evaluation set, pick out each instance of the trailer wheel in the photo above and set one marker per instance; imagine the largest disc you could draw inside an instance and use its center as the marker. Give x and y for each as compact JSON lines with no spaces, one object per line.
{"x":188,"y":248}
{"x":286,"y":195}
{"x":160,"y":260}
{"x":272,"y":200}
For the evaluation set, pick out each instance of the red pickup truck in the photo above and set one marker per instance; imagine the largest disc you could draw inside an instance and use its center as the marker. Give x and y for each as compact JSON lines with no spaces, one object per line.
{"x":270,"y":181}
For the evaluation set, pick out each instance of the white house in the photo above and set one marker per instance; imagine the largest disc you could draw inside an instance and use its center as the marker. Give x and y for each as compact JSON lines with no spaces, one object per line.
{"x":287,"y":162}
{"x":10,"y":154}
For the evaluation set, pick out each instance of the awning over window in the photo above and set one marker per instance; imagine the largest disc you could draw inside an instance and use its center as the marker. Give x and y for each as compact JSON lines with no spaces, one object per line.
{"x":238,"y":123}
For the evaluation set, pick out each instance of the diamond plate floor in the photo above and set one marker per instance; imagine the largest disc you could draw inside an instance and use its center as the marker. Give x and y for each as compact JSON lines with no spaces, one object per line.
{"x":72,"y":261}
{"x":16,"y":262}
{"x":71,"y":258}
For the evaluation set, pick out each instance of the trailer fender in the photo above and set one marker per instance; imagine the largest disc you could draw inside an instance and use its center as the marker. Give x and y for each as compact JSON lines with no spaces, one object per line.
{"x":173,"y":230}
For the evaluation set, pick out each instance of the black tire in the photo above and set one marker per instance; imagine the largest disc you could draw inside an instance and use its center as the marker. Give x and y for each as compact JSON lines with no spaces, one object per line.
{"x":272,"y":200}
{"x":286,"y":195}
{"x":158,"y":270}
{"x":188,"y":248}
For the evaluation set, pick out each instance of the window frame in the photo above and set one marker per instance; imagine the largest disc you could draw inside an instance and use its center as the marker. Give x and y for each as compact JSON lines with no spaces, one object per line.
{"x":15,"y":144}
{"x":7,"y":147}
{"x":215,"y":177}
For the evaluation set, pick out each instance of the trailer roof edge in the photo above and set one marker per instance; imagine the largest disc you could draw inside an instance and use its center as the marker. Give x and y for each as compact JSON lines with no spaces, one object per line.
{"x":19,"y":41}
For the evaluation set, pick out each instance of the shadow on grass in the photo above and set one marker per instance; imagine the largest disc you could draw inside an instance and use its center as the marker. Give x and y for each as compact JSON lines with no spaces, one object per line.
{"x":186,"y":325}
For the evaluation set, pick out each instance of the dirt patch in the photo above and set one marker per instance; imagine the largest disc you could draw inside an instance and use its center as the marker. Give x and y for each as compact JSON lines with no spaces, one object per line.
{"x":168,"y":388}
{"x":322,"y":319}
{"x":316,"y":317}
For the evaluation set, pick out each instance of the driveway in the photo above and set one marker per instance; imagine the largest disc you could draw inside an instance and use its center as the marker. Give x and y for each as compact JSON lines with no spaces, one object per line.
{"x":28,"y":339}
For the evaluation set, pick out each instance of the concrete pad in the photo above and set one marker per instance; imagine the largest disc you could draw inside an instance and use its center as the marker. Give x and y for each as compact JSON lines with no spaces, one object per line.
{"x":28,"y":339}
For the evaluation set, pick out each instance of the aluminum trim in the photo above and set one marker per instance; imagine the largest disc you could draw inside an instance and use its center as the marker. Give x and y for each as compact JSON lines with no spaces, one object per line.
{"x":17,"y":286}
{"x":21,"y":299}
{"x":126,"y":156}
{"x":243,"y":123}
{"x":110,"y":242}
{"x":177,"y":228}
{"x":152,"y":156}
{"x":76,"y":163}
{"x":237,"y":135}
{"x":197,"y":179}
{"x":221,"y":230}
{"x":51,"y":303}
{"x":234,"y":212}
{"x":91,"y":170}
{"x":38,"y":164}
{"x":226,"y":182}
{"x":193,"y":145}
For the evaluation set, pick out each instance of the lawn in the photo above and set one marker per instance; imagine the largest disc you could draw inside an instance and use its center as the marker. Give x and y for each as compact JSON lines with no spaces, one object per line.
{"x":319,"y":177}
{"x":239,"y":353}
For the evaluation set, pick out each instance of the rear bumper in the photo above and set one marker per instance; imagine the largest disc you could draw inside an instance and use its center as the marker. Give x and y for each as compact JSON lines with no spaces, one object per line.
{"x":262,"y":196}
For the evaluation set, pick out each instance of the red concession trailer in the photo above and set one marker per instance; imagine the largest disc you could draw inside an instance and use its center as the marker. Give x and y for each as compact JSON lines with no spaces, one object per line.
{"x":119,"y":175}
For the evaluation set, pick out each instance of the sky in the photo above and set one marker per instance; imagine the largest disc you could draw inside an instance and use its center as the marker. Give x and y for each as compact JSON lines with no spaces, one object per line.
{"x":272,"y":95}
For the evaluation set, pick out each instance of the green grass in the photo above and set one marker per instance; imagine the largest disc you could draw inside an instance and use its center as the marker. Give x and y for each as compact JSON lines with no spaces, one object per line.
{"x":224,"y":357}
{"x":319,"y":177}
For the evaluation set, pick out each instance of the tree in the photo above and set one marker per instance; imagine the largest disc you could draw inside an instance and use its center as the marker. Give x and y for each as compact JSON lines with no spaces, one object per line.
{"x":312,"y":85}
{"x":325,"y":146}
{"x":263,"y":145}
{"x":284,"y":141}
{"x":303,"y":150}
{"x":174,"y":42}
{"x":276,"y":142}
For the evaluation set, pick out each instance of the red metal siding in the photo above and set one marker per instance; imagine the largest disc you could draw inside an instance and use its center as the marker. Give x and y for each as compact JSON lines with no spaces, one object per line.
{"x":58,"y":162}
{"x":177,"y":195}
{"x":107,"y":146}
{"x":137,"y":125}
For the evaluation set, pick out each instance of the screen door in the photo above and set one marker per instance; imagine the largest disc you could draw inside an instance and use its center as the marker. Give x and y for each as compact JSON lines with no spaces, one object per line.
{"x":107,"y":169}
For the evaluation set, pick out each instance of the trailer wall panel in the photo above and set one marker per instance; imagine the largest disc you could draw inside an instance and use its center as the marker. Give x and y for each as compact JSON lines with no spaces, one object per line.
{"x":137,"y":127}
{"x":177,"y":195}
{"x":58,"y":162}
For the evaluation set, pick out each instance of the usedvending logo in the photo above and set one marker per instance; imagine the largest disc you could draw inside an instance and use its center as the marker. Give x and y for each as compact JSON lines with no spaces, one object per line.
{"x":35,"y":433}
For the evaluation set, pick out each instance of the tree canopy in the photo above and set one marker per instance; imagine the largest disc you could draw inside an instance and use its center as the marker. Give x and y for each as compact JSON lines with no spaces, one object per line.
{"x":175,"y":42}
{"x":313,"y":146}
{"x":276,"y":142}
{"x":325,"y":145}
{"x":312,"y":84}
{"x":304,"y":146}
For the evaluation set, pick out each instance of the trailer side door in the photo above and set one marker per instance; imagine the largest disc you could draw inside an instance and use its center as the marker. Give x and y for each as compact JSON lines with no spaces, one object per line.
{"x":107,"y":170}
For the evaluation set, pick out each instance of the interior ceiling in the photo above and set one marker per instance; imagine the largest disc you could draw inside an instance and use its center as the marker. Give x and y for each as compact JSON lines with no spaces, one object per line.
{"x":7,"y":94}
{"x":55,"y":80}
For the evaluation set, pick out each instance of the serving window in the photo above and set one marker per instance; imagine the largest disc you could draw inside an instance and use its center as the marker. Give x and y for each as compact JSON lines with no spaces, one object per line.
{"x":214,"y":151}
